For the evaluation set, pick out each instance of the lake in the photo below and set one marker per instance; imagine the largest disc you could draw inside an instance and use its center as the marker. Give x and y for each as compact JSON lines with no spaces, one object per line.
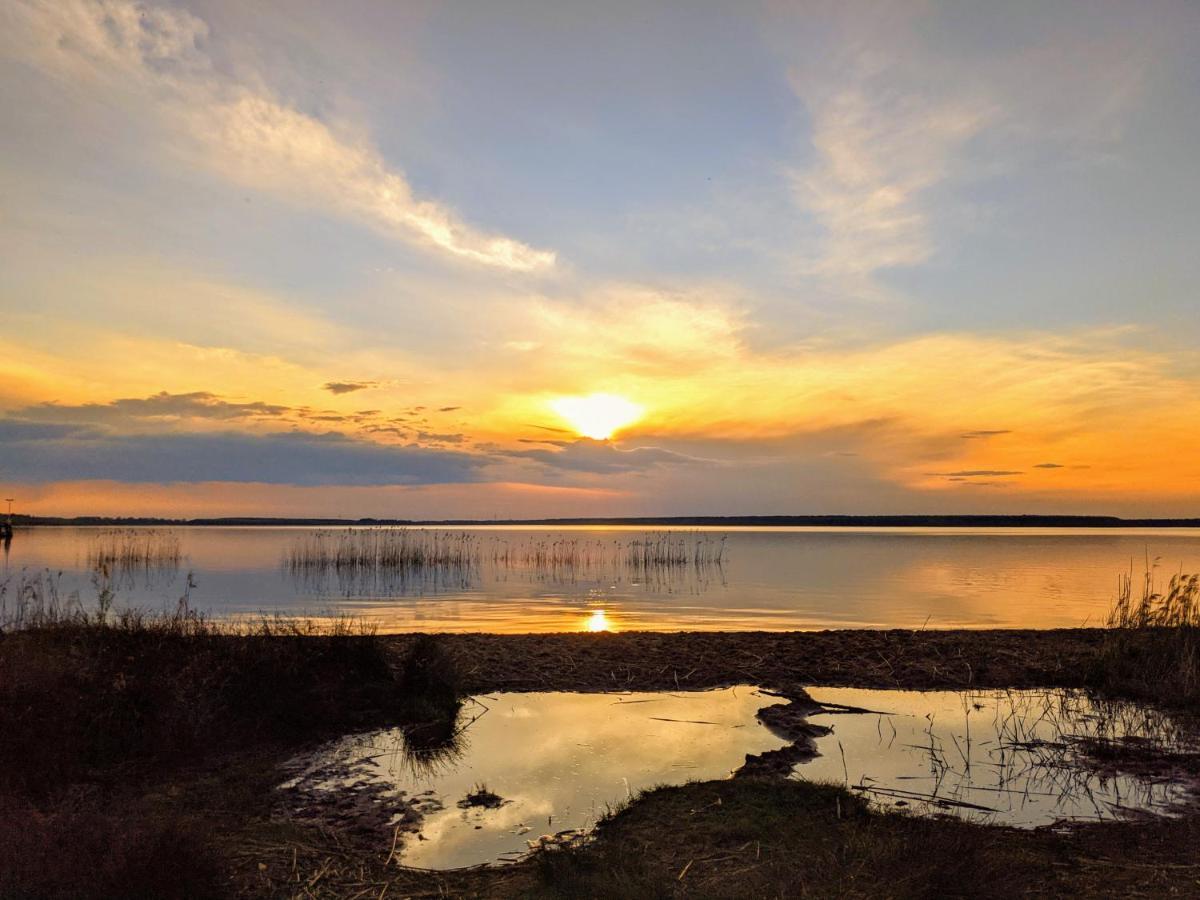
{"x":765,"y":579}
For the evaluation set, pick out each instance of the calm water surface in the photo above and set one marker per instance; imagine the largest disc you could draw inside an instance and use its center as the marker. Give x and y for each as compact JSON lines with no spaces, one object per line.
{"x":559,"y":762}
{"x":770,"y":579}
{"x":1008,"y":757}
{"x":556,"y":762}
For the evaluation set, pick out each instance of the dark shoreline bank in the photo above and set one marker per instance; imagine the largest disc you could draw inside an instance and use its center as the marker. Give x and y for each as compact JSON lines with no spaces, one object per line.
{"x":649,"y":660}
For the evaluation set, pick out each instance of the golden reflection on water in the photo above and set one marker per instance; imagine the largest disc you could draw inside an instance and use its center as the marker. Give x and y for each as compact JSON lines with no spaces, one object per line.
{"x":770,"y":579}
{"x":597,"y":621}
{"x":558,"y":760}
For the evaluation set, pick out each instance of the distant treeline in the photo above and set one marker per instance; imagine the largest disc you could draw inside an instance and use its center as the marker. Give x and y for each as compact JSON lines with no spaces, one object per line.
{"x":909,"y":521}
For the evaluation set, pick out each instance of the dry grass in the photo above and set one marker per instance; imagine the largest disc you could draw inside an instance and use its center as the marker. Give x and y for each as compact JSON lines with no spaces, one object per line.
{"x":103,"y":716}
{"x":131,"y":549}
{"x":81,"y":850}
{"x":770,"y":838}
{"x":1152,"y":645}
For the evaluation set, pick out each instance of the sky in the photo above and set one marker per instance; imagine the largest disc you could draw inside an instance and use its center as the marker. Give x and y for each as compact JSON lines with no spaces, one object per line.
{"x":505,"y":260}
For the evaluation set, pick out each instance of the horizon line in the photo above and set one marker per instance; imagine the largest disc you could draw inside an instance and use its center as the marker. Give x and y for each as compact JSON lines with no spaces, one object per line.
{"x":1032,"y":520}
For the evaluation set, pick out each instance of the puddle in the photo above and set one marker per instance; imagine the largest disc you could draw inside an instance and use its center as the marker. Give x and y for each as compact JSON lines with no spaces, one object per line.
{"x":1023,"y":758}
{"x":517,"y":771}
{"x":555,"y":763}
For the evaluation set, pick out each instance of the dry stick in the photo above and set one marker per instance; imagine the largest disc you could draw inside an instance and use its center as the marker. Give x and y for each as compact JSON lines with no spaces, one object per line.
{"x":929,"y":798}
{"x":891,"y":671}
{"x":395,"y":839}
{"x":320,"y":874}
{"x":684,"y":870}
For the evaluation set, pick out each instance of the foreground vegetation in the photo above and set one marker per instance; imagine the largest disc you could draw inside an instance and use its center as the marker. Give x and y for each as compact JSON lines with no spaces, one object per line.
{"x":138,"y":757}
{"x":107,"y":717}
{"x":766,"y":838}
{"x":1152,"y":645}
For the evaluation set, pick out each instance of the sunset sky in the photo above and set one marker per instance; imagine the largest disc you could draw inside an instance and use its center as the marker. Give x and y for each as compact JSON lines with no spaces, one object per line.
{"x":568,"y":259}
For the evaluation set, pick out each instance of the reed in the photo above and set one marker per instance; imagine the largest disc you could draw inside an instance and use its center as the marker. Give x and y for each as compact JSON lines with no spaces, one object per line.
{"x":1152,"y":644}
{"x":648,"y":554}
{"x":132,"y":549}
{"x":380,"y":549}
{"x":391,"y":561}
{"x":33,"y":600}
{"x":1176,"y":607}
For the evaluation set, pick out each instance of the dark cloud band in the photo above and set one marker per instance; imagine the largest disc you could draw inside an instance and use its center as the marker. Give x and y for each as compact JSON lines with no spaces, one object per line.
{"x":34,"y":452}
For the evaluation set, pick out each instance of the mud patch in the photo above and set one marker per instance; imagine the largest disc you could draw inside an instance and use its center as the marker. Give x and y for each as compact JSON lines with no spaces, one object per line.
{"x":339,"y":787}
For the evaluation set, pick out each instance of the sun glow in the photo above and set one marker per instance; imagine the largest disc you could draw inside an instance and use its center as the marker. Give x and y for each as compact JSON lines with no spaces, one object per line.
{"x":597,"y":416}
{"x":598,"y":621}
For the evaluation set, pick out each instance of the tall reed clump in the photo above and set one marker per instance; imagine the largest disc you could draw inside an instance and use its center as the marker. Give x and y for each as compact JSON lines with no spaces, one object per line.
{"x":1151,"y":648}
{"x":666,"y":550}
{"x":650,"y":555}
{"x":133,"y":549}
{"x":382,"y":549}
{"x":397,"y":559}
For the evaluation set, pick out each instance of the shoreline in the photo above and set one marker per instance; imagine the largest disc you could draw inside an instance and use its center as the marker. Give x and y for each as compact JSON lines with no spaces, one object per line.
{"x":695,"y":660}
{"x":669,"y":522}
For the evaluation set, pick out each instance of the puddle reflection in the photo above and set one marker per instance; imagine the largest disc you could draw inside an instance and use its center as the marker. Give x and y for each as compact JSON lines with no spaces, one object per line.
{"x":557,"y":762}
{"x":515,"y":770}
{"x":1023,"y":758}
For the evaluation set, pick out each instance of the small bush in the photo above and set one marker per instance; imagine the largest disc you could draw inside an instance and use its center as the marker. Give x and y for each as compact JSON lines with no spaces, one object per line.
{"x":430,"y":681}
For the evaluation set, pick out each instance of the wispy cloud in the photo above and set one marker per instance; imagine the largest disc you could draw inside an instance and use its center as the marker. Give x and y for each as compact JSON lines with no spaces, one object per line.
{"x":242,"y":131}
{"x":897,"y":124}
{"x":877,"y":150}
{"x":976,"y":473}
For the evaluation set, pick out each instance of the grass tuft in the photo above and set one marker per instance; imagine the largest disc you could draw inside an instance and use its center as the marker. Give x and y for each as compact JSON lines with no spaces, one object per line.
{"x":481,"y":796}
{"x":1152,"y":645}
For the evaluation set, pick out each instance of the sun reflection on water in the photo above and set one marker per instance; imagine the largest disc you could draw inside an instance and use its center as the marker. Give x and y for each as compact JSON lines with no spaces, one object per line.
{"x":598,"y":621}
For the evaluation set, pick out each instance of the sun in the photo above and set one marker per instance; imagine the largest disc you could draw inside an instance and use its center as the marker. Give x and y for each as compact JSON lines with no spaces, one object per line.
{"x":597,"y":416}
{"x":598,"y":621}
